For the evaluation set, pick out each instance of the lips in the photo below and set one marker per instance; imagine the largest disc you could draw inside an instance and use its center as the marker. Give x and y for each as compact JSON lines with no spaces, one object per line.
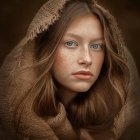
{"x":83,"y":75}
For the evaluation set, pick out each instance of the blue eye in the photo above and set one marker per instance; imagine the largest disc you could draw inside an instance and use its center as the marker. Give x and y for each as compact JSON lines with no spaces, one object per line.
{"x":71,"y":44}
{"x":97,"y":47}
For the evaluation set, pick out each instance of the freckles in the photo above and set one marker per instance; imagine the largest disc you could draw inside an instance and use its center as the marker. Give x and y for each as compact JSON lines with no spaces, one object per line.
{"x":98,"y":58}
{"x":98,"y":61}
{"x":60,"y":59}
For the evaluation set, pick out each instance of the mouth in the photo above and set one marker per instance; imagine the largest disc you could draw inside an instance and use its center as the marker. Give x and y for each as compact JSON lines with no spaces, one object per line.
{"x":83,"y":75}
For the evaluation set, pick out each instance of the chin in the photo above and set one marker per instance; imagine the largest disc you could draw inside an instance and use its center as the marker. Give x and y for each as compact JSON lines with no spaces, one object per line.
{"x":81,"y":86}
{"x":82,"y":89}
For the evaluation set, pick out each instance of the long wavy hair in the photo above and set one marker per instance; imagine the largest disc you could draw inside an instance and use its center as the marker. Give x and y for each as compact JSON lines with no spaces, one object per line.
{"x":96,"y":109}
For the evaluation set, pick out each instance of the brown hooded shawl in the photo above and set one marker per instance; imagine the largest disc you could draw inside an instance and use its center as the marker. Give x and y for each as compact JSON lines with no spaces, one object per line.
{"x":58,"y":127}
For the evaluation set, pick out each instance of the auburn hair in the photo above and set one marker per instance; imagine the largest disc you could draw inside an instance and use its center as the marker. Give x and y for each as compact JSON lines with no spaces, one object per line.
{"x":96,"y":109}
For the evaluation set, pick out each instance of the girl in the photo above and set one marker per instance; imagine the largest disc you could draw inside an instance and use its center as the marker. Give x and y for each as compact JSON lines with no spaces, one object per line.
{"x":71,"y":77}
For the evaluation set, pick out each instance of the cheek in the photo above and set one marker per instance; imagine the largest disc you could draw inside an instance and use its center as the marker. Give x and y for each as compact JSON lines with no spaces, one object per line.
{"x":61,"y":64}
{"x":98,"y":62}
{"x":58,"y":63}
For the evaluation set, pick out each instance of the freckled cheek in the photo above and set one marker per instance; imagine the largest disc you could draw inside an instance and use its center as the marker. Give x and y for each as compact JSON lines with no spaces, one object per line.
{"x":62,"y":62}
{"x":98,"y":61}
{"x":101,"y":59}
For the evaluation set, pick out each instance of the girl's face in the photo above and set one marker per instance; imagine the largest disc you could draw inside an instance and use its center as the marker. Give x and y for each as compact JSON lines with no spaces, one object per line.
{"x":80,"y":55}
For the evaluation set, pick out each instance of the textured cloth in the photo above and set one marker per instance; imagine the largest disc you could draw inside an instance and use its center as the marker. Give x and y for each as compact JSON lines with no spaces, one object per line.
{"x":58,"y":127}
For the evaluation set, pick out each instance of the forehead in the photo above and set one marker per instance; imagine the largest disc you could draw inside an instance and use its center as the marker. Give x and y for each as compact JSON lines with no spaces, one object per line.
{"x":86,"y":25}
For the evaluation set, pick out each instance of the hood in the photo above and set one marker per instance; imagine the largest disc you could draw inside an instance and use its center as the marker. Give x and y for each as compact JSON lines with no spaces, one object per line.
{"x":22,"y":56}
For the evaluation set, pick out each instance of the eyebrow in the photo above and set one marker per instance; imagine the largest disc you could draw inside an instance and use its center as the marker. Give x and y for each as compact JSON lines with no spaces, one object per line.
{"x":78,"y":37}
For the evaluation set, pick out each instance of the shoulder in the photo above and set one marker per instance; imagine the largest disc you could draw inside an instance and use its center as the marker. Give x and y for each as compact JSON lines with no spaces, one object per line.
{"x":12,"y":84}
{"x":127,"y":122}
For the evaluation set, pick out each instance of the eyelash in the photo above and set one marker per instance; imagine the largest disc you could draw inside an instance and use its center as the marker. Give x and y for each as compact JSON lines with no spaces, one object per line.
{"x":68,"y":45}
{"x":100,"y":46}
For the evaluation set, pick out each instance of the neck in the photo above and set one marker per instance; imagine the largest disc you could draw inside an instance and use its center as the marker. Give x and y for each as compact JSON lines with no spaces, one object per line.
{"x":66,"y":95}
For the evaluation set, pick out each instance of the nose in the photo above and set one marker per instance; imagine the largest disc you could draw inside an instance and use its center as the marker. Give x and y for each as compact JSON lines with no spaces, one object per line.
{"x":85,"y":57}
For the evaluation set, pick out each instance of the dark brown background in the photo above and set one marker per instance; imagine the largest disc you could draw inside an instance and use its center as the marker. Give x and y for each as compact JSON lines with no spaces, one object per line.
{"x":15,"y":16}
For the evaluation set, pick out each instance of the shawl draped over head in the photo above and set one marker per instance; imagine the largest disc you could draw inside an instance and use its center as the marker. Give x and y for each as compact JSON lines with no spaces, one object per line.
{"x":58,"y":127}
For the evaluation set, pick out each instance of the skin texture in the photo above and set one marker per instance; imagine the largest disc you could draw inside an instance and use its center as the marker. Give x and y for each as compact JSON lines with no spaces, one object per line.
{"x":81,"y":49}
